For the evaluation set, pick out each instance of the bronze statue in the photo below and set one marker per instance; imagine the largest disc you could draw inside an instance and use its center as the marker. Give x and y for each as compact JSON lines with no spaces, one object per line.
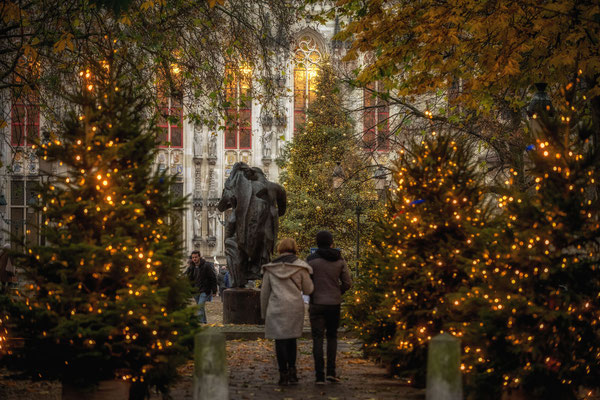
{"x":252,"y":226}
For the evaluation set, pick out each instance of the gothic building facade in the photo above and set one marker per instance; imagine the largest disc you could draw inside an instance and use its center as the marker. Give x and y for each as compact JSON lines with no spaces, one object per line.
{"x":200,"y":156}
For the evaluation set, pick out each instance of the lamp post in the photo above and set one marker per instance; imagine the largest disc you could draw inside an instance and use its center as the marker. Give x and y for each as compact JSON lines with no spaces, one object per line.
{"x":358,"y":210}
{"x":380,"y":175}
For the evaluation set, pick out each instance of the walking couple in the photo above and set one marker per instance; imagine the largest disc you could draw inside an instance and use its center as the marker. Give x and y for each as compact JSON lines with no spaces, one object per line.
{"x":324,"y":276}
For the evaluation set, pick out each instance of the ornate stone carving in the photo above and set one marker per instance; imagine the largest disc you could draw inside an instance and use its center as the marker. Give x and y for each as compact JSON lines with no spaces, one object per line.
{"x":32,"y":163}
{"x":212,"y":149}
{"x":197,"y":179}
{"x":197,"y":145}
{"x":18,"y":163}
{"x":177,"y":163}
{"x":266,"y":143}
{"x":197,"y":222}
{"x":212,"y":224}
{"x":213,"y":195}
{"x":161,"y":161}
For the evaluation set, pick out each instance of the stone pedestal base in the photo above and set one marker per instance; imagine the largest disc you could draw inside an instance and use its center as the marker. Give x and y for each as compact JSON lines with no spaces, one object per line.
{"x":242,"y":306}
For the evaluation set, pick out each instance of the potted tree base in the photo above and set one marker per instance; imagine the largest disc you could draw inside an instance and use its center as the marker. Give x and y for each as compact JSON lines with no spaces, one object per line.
{"x":115,"y":389}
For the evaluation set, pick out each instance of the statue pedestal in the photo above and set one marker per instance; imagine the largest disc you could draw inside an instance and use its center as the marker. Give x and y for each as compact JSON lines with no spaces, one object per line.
{"x":242,"y":306}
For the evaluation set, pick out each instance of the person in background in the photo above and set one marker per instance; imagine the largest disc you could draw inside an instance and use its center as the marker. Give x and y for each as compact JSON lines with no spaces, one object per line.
{"x":8,"y":272}
{"x":331,"y":278}
{"x":284,"y":280}
{"x":223,"y":280}
{"x":201,"y":274}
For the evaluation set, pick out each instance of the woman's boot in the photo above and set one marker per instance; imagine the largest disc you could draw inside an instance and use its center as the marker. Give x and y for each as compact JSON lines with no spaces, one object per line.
{"x":284,"y":379}
{"x":292,"y":376}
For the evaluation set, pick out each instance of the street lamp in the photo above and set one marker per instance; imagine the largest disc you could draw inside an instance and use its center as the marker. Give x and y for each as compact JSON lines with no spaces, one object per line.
{"x":380,"y":175}
{"x":359,"y":211}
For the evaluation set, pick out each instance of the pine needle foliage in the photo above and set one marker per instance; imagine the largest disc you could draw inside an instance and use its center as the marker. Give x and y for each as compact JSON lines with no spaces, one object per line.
{"x":103,"y":297}
{"x":424,"y":255}
{"x":307,"y":165}
{"x":542,"y":306}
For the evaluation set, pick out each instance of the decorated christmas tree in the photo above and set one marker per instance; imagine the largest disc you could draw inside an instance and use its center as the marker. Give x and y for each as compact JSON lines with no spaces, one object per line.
{"x":103,"y":297}
{"x":541,"y":310}
{"x":324,"y":145}
{"x":426,"y":254}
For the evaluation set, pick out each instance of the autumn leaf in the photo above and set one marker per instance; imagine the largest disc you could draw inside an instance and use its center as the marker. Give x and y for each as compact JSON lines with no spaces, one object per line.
{"x":125,"y":19}
{"x":65,"y":41}
{"x":213,"y":3}
{"x":146,"y":5}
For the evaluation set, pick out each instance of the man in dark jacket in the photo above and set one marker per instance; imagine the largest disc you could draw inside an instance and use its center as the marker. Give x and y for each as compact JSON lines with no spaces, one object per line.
{"x":331,"y":279}
{"x":202,"y":275}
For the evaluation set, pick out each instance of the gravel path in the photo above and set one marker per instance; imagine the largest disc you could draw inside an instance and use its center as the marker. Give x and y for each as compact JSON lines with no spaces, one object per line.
{"x":253,"y":375}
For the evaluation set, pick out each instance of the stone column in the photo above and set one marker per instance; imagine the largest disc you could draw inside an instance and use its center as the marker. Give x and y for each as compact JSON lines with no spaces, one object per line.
{"x":210,"y":366}
{"x":444,"y":379}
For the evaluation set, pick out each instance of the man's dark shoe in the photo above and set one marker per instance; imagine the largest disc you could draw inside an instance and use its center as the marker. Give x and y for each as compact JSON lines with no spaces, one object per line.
{"x":292,"y":376}
{"x":320,"y":381}
{"x":284,"y":379}
{"x":333,"y":379}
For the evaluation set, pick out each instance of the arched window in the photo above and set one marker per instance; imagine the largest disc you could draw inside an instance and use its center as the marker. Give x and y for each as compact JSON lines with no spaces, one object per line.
{"x":307,"y":56}
{"x":238,"y":127}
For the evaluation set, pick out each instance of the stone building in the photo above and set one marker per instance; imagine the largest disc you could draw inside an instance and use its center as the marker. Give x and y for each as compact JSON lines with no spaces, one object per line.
{"x":199,"y":155}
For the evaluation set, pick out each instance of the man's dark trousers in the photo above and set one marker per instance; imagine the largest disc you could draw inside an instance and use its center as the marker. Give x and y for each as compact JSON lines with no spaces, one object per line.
{"x":324,"y":321}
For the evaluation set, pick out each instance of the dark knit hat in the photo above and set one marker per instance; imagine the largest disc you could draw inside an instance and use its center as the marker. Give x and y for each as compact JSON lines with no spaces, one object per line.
{"x":324,"y":239}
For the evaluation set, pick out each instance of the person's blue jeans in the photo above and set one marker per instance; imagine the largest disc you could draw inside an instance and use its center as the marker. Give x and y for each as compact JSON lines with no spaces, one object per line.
{"x":201,"y":301}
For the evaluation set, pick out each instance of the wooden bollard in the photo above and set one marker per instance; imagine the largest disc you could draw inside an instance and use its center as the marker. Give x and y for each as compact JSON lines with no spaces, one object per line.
{"x":444,"y":379}
{"x":211,"y":380}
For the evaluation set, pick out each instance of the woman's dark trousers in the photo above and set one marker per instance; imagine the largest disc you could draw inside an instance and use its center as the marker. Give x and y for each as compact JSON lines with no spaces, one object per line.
{"x":286,"y":354}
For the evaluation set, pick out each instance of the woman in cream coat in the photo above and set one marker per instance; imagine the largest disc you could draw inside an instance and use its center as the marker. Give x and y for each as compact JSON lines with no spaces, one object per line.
{"x":285,"y":279}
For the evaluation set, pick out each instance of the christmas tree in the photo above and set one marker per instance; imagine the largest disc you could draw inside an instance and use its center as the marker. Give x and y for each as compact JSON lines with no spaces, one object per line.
{"x":325,"y":142}
{"x":103,"y":297}
{"x":426,"y":254}
{"x":541,"y":310}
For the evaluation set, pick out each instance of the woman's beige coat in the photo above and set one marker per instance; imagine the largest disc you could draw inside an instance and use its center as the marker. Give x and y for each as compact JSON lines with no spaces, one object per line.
{"x":281,"y":301}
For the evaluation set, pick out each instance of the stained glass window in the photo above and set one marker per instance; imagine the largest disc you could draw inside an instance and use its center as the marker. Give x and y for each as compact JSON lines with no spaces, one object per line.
{"x":307,"y":57}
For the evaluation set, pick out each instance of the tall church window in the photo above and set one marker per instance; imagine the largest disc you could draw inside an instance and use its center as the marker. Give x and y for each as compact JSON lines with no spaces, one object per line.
{"x":376,"y":119}
{"x":25,"y":120}
{"x":171,"y":119}
{"x":238,"y":99}
{"x":307,"y":57}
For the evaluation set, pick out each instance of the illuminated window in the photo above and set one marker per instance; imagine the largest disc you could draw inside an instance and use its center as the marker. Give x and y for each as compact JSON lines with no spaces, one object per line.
{"x":171,"y":120}
{"x":25,"y":121}
{"x":238,"y":126}
{"x":308,"y":56}
{"x":376,"y":119}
